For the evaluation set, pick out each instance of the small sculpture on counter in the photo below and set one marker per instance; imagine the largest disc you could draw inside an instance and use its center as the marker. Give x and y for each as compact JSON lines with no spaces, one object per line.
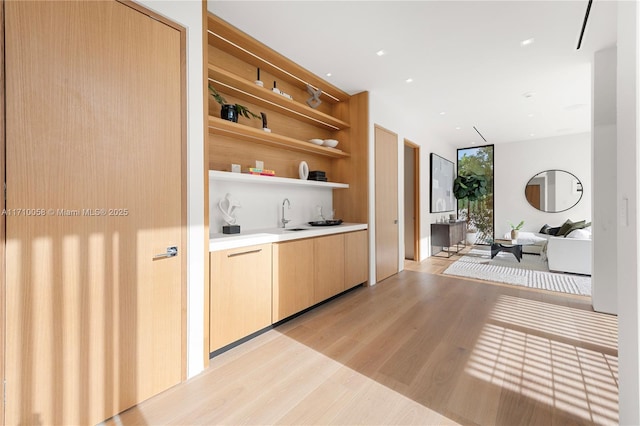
{"x":228,"y":214}
{"x":314,"y":101}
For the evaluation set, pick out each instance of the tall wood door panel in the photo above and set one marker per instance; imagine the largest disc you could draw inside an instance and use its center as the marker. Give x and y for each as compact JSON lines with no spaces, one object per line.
{"x":386,"y":190}
{"x":328,"y":266}
{"x":95,"y":189}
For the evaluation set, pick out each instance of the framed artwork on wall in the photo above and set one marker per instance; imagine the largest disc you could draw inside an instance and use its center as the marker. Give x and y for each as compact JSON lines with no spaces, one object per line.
{"x":441,"y":190}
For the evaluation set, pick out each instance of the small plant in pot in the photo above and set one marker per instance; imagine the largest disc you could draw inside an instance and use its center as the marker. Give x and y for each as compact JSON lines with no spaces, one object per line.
{"x":515,"y":229}
{"x":470,"y":187}
{"x":231,"y":112}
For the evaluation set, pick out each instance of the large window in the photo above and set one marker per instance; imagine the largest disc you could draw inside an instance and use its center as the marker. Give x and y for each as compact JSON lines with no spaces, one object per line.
{"x":478,"y":161}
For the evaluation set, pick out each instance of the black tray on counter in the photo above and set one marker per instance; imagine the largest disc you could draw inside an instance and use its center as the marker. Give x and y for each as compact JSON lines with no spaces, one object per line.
{"x":326,"y":222}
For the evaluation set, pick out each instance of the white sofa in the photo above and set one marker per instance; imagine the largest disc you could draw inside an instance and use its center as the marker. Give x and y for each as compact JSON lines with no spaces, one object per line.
{"x":564,"y":254}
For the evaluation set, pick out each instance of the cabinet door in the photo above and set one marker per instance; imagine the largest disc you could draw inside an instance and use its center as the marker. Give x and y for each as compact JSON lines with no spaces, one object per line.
{"x":240,"y":293}
{"x":292,"y":278}
{"x":328,"y":254}
{"x":357,"y":258}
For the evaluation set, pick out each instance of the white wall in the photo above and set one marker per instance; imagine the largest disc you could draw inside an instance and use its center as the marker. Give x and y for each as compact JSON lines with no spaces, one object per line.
{"x":604,"y":294}
{"x":396,"y":120}
{"x":628,"y":94}
{"x":188,"y":13}
{"x":517,"y":162}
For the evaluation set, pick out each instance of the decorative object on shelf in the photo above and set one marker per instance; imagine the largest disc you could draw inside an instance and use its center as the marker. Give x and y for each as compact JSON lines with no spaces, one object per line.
{"x":236,"y":168}
{"x":303,"y":170}
{"x":331,"y":143}
{"x":230,"y":112}
{"x":470,"y":188}
{"x":264,"y":122}
{"x":318,"y":175}
{"x":452,"y":217}
{"x":316,"y":141}
{"x":515,"y":229}
{"x":314,"y":101}
{"x":259,"y":82}
{"x":279,"y":92}
{"x":442,"y":175}
{"x":259,"y":164}
{"x":228,"y":214}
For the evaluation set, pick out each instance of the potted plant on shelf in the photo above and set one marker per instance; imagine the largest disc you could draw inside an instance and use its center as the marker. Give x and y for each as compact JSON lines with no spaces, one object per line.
{"x":231,"y":111}
{"x":470,"y":187}
{"x":515,"y":229}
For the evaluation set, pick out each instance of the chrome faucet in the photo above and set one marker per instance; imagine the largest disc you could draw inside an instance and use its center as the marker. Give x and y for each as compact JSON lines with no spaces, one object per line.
{"x":283,"y":220}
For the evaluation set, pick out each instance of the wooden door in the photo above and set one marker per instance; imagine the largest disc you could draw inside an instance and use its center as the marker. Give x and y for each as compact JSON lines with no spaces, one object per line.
{"x":532,"y":193}
{"x":292,"y":278}
{"x":240,"y":296}
{"x":357,"y":258}
{"x":386,"y":160}
{"x":95,"y":188}
{"x":328,"y":266}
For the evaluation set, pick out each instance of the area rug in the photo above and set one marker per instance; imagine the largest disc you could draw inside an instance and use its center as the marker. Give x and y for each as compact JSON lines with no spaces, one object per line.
{"x":532,"y":272}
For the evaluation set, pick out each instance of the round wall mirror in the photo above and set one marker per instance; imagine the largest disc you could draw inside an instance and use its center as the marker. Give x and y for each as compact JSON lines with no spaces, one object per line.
{"x":553,"y":191}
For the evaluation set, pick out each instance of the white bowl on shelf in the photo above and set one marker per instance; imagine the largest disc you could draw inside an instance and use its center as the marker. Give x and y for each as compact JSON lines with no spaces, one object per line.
{"x":331,"y":143}
{"x":316,"y":141}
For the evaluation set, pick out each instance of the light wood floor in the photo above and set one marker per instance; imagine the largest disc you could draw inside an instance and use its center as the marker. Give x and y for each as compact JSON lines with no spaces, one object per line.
{"x":418,"y":348}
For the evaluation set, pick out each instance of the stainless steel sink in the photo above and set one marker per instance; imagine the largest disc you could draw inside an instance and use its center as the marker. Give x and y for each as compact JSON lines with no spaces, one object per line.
{"x":295,"y":229}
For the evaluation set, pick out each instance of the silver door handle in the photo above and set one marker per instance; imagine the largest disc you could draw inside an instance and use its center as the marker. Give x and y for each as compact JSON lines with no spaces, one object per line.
{"x":244,"y":252}
{"x":171,"y":252}
{"x":395,"y":222}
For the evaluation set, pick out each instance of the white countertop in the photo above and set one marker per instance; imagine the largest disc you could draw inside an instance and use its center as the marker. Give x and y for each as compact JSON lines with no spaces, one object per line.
{"x":274,"y":235}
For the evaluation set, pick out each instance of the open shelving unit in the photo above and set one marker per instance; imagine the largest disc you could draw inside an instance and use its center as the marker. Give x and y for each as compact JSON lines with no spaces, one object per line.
{"x":271,"y":180}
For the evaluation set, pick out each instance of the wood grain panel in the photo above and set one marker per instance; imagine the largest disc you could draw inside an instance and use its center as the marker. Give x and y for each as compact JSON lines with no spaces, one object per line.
{"x":94,"y":121}
{"x":292,"y":278}
{"x":205,"y":160}
{"x":240,"y":293}
{"x":328,"y":257}
{"x":223,"y":151}
{"x":356,"y":247}
{"x":3,"y":217}
{"x":352,"y":205}
{"x":386,"y":189}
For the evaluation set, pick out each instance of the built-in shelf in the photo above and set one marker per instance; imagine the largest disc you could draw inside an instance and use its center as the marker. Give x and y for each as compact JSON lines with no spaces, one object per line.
{"x":271,"y":180}
{"x":250,"y":92}
{"x":218,"y":126}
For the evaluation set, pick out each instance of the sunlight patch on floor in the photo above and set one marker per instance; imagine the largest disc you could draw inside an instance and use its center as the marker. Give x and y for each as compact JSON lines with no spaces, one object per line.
{"x":534,"y":349}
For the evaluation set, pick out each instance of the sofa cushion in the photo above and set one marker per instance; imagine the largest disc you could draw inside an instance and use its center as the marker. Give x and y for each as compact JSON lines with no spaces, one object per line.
{"x":576,"y":225}
{"x":580,"y":234}
{"x":544,"y":229}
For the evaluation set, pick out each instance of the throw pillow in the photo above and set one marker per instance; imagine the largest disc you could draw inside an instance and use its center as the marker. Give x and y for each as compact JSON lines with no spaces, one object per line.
{"x":565,"y":228}
{"x":545,"y":229}
{"x":574,"y":226}
{"x":553,"y":231}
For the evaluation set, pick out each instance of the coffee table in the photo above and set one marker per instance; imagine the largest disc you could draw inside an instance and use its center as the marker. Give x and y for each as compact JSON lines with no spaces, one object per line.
{"x":507,"y":246}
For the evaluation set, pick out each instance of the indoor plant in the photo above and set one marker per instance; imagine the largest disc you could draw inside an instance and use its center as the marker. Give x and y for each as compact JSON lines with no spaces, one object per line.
{"x":515,"y":229}
{"x":470,"y":187}
{"x":230,"y":111}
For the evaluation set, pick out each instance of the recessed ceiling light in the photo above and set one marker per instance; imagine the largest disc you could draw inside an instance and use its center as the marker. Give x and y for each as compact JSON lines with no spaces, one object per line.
{"x":329,"y":74}
{"x":409,"y":80}
{"x":527,"y":42}
{"x":574,"y":107}
{"x":380,"y":52}
{"x":532,"y":134}
{"x":442,"y":113}
{"x":458,"y":127}
{"x":529,"y":95}
{"x":473,"y":143}
{"x":529,"y":115}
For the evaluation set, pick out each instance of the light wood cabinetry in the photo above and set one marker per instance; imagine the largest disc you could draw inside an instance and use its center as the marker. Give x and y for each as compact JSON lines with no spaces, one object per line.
{"x":309,"y":271}
{"x":328,"y":267}
{"x":240,"y":293}
{"x":356,"y":266}
{"x":292,"y":278}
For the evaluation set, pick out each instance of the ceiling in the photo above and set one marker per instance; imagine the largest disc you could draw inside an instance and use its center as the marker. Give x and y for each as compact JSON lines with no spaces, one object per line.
{"x":466,"y":59}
